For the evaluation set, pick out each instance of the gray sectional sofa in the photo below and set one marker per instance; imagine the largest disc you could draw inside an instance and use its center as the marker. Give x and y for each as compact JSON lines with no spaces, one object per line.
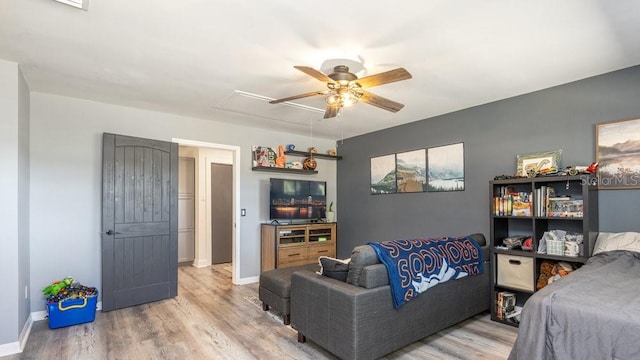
{"x":356,"y":319}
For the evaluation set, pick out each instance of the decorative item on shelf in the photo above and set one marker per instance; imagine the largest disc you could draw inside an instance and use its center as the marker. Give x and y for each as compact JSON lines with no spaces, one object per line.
{"x":263,"y":156}
{"x":313,"y":150}
{"x":291,"y":147}
{"x":542,"y":163}
{"x":331,"y":152}
{"x":309,"y":164}
{"x":577,"y":169}
{"x":280,"y":160}
{"x":297,"y":165}
{"x":330,"y":215}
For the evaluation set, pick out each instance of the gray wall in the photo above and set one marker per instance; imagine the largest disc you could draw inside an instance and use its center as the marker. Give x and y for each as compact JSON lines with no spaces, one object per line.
{"x":14,"y":212}
{"x":24,"y":102}
{"x":562,"y":117}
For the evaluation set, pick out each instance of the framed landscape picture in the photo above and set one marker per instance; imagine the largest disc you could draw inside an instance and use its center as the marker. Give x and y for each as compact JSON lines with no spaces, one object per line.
{"x":411,"y":171}
{"x":446,"y":168}
{"x":618,"y":154}
{"x":383,"y":174}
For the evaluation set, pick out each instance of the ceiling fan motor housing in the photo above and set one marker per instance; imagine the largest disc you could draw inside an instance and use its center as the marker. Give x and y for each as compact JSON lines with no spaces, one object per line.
{"x":342,"y":75}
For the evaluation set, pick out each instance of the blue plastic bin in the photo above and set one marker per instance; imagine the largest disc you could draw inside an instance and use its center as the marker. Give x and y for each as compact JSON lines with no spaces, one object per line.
{"x":72,"y":311}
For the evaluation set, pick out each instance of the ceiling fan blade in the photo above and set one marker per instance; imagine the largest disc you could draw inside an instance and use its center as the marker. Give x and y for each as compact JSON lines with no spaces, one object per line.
{"x":332,"y":111}
{"x":384,"y":78}
{"x":277,"y":101}
{"x":379,"y":101}
{"x":314,"y":73}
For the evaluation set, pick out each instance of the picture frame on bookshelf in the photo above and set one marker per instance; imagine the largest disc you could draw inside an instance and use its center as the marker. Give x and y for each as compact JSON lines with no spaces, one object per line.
{"x":618,"y":154}
{"x":530,"y":165}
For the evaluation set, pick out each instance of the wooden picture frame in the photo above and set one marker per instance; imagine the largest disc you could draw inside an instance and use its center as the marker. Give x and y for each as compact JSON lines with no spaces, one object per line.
{"x":618,"y":154}
{"x":540,"y":162}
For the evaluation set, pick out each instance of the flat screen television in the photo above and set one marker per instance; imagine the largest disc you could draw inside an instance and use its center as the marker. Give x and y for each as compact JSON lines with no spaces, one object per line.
{"x":297,"y":199}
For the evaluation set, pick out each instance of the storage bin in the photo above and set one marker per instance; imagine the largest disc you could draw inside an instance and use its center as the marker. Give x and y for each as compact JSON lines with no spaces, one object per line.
{"x":555,"y":247}
{"x":515,"y":272}
{"x":72,"y":311}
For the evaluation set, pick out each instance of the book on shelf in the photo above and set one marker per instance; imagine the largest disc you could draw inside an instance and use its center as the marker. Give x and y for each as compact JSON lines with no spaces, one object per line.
{"x":510,"y":202}
{"x":542,"y":196}
{"x":505,"y":304}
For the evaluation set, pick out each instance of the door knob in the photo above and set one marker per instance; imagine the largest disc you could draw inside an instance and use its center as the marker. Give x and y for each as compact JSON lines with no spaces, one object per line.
{"x":111,"y":232}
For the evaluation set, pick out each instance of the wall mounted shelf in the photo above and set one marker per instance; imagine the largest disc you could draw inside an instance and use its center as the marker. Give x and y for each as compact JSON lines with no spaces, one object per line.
{"x":284,"y":170}
{"x":314,"y":155}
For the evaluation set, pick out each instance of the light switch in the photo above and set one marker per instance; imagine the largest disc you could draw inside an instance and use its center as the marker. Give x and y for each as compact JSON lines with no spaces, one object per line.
{"x":243,"y":212}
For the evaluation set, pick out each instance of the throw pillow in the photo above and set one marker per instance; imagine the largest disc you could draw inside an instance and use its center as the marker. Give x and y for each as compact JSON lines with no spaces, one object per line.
{"x":334,"y":268}
{"x":608,"y":241}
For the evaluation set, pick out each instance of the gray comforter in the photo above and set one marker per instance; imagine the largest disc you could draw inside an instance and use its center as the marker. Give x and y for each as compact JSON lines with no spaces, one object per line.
{"x":593,"y":313}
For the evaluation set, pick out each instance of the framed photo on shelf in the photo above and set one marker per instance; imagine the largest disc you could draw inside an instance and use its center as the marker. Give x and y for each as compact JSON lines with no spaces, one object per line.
{"x":411,"y":171}
{"x":530,"y":165}
{"x":383,"y":174}
{"x":618,"y":154}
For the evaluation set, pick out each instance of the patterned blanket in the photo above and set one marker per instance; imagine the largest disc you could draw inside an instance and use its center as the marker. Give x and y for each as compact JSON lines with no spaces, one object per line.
{"x":415,"y":265}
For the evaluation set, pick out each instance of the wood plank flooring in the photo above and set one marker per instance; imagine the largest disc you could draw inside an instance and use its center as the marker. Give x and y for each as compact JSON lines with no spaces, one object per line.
{"x":213,"y":319}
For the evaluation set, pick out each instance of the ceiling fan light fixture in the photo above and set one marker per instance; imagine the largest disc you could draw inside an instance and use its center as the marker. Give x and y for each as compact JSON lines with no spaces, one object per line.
{"x":343,"y":97}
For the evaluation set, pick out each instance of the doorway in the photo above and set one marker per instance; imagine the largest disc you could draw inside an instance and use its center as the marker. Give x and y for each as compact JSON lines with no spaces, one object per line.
{"x":206,"y":154}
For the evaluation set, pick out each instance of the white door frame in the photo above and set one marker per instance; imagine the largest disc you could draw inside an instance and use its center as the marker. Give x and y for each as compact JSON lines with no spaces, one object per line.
{"x":235,"y":246}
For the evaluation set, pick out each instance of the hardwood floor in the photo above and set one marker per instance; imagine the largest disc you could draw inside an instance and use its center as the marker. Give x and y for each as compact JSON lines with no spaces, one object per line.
{"x":213,"y":319}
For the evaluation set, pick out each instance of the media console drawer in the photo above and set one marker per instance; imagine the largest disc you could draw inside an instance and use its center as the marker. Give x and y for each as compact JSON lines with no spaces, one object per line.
{"x":317,"y":250}
{"x":295,"y":255}
{"x":515,"y":272}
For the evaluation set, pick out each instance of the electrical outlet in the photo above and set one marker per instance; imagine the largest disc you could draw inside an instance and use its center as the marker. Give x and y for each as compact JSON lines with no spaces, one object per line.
{"x":243,"y":212}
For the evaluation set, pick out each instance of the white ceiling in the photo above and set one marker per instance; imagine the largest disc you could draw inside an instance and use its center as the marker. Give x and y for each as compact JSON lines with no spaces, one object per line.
{"x":190,"y":57}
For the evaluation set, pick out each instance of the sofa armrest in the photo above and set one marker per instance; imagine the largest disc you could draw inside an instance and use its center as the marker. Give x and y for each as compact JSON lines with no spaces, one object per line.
{"x":335,"y":314}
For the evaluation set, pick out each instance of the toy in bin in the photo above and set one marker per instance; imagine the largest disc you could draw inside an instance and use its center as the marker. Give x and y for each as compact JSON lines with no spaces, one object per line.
{"x":69,"y":303}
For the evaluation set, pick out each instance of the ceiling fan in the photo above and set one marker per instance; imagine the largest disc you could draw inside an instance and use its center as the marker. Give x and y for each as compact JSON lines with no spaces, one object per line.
{"x":345,"y":89}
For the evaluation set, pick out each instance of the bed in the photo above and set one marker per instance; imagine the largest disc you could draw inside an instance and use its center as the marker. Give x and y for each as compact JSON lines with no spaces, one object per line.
{"x":594,"y":313}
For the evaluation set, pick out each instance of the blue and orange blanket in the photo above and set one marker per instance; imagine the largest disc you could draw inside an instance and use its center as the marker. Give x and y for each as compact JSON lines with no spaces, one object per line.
{"x":415,"y":265}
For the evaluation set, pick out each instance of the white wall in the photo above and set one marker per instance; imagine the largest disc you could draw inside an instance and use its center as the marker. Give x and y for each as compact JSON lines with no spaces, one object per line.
{"x":66,"y":155}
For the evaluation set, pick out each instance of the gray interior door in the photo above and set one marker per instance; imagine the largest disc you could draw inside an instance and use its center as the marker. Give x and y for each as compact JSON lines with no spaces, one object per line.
{"x":221,"y":213}
{"x":139,"y":221}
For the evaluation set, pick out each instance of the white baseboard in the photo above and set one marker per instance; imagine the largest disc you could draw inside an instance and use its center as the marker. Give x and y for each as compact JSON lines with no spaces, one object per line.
{"x":18,"y":346}
{"x":247,"y":280}
{"x":200,"y":263}
{"x":10,"y":348}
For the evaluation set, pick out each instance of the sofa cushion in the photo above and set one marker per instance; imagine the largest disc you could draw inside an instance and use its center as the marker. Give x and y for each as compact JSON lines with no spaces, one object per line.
{"x":361,"y":256}
{"x":334,"y":268}
{"x":374,"y":276}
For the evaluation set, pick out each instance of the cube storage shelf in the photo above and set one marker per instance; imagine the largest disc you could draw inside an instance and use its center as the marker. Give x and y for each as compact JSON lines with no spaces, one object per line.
{"x":517,"y":271}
